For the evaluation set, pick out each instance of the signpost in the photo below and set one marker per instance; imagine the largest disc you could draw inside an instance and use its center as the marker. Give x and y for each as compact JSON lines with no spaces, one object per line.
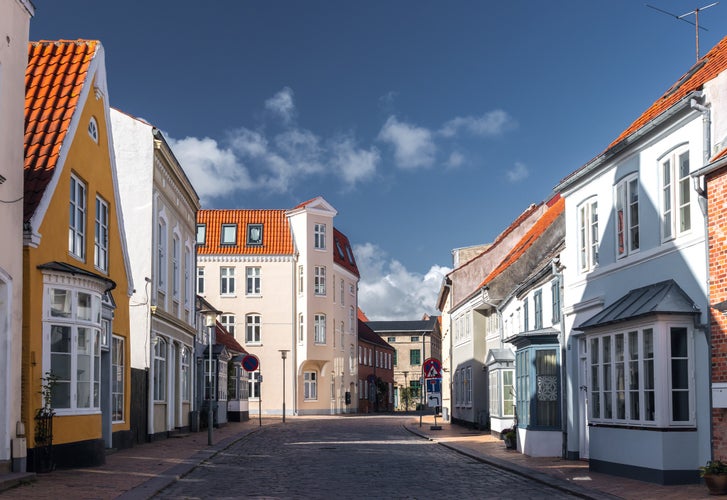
{"x":432,"y":369}
{"x":250,"y":363}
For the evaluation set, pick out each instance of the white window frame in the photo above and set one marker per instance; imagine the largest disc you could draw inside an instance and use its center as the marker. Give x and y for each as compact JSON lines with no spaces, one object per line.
{"x":310,"y":386}
{"x":661,"y":375}
{"x":253,"y":328}
{"x":185,"y":364}
{"x":200,"y":280}
{"x":160,"y":358}
{"x":319,"y":280}
{"x":301,"y":280}
{"x":319,"y":236}
{"x":77,"y":224}
{"x":101,"y":236}
{"x":176,"y":266}
{"x":588,"y":235}
{"x":227,"y":281}
{"x":319,"y":328}
{"x":626,"y":216}
{"x":162,"y":254}
{"x":118,"y":378}
{"x":253,"y":281}
{"x":187,"y":280}
{"x":72,"y":317}
{"x":228,"y":322}
{"x":253,"y":385}
{"x":675,"y":194}
{"x":301,"y":328}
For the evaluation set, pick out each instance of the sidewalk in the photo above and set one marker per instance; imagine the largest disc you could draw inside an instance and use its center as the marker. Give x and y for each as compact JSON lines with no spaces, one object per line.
{"x":571,"y":476}
{"x":133,"y":473}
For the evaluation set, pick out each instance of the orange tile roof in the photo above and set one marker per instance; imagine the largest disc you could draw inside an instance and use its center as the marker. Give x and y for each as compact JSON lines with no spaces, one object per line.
{"x":277,"y":237}
{"x":54,"y":78}
{"x":343,"y":253}
{"x":500,"y":237}
{"x":556,"y":208}
{"x":707,"y":68}
{"x":362,"y":316}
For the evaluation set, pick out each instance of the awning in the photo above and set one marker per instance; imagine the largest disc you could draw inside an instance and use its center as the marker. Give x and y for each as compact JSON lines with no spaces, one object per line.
{"x":665,"y":297}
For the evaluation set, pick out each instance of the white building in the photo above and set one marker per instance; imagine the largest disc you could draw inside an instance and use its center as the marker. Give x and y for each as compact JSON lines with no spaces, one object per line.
{"x":160,"y":208}
{"x":14,"y":24}
{"x":636,"y":287}
{"x":286,"y":282}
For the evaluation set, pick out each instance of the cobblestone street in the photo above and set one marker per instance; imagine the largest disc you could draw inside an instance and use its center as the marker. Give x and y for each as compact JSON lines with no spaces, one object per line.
{"x":348,"y":458}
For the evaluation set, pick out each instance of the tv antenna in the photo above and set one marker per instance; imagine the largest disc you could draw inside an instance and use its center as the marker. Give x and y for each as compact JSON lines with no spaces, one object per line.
{"x":696,"y":25}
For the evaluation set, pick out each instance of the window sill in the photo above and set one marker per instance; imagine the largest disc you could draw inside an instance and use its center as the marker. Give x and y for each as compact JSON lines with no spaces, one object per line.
{"x":227,"y":296}
{"x":69,"y":412}
{"x":254,"y":295}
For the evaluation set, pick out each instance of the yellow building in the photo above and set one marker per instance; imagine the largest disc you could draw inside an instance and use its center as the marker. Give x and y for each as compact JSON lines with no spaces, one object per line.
{"x":76,"y":280}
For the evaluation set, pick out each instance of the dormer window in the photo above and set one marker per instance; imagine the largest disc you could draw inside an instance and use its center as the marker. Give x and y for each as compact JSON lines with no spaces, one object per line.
{"x":93,"y":129}
{"x":255,"y":234}
{"x":228,"y":234}
{"x":201,"y":234}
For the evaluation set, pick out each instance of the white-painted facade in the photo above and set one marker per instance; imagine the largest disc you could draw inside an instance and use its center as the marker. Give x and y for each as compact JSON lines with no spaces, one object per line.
{"x":14,"y":25}
{"x":160,"y":208}
{"x":658,"y":432}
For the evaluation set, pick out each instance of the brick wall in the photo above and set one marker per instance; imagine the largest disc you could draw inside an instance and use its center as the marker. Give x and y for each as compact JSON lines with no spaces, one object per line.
{"x":717,"y":231}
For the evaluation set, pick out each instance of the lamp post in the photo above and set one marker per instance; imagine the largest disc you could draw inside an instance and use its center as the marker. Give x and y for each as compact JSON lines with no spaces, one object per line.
{"x":283,"y":355}
{"x":210,"y":320}
{"x":422,"y":380}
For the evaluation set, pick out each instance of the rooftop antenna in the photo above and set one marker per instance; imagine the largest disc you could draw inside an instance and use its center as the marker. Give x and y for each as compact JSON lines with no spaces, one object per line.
{"x":683,"y":16}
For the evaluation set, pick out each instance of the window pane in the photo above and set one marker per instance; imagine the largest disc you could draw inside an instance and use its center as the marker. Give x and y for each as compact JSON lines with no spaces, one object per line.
{"x":60,"y":303}
{"x":84,"y":306}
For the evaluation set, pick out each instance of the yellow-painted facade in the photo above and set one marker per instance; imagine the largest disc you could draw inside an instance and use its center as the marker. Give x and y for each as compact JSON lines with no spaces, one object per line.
{"x":90,"y":161}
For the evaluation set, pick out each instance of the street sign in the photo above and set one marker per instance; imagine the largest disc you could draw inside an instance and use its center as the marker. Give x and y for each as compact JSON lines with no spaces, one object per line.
{"x":432,"y":368}
{"x":250,"y":363}
{"x":434,"y":385}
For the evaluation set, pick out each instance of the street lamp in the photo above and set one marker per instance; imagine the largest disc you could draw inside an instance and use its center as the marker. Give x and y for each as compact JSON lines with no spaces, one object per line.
{"x":422,"y":379}
{"x":210,"y":321}
{"x":284,"y":354}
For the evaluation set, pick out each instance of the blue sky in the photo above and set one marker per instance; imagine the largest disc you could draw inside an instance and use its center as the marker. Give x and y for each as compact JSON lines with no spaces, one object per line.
{"x":428,"y":125}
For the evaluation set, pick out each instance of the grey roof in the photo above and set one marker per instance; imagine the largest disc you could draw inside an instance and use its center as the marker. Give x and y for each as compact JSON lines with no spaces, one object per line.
{"x":665,"y":297}
{"x":71,"y":269}
{"x":424,"y":325}
{"x":541,"y":334}
{"x":499,"y":356}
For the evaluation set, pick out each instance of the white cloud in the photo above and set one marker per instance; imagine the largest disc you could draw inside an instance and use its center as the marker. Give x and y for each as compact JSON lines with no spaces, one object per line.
{"x":212,"y":170}
{"x":282,"y":105}
{"x":413,"y":146}
{"x":517,"y":173}
{"x":490,"y":124}
{"x":455,"y":159}
{"x":388,"y":291}
{"x":248,"y":142}
{"x":353,"y":164}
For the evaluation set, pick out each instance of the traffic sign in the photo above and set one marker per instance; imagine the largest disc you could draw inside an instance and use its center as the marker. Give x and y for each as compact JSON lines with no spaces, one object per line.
{"x":432,"y":368}
{"x":434,"y":385}
{"x":250,"y":363}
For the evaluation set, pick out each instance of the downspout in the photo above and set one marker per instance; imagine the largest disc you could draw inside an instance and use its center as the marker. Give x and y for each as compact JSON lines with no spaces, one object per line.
{"x":703,"y":204}
{"x":294,"y":345}
{"x":557,"y":270}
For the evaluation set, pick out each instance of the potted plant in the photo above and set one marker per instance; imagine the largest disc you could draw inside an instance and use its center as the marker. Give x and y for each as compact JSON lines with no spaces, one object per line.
{"x":715,"y":476}
{"x":510,"y":438}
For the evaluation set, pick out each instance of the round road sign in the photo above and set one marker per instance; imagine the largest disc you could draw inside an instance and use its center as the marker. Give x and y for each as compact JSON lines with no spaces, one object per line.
{"x":250,"y":363}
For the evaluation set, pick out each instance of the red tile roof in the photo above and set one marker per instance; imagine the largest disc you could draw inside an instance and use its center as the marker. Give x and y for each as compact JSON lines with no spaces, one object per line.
{"x":277,"y":237}
{"x":54,"y":78}
{"x":343,"y":253}
{"x":707,"y":68}
{"x":222,"y":336}
{"x":556,"y":207}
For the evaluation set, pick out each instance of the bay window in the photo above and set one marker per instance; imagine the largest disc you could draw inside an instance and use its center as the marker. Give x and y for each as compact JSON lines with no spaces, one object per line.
{"x":642,"y":375}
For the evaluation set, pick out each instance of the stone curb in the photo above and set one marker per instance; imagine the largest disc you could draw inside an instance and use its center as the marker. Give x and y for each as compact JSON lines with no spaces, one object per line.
{"x":540,"y":477}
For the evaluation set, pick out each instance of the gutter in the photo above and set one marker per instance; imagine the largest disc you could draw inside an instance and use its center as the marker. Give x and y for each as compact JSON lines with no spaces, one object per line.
{"x":683,"y":104}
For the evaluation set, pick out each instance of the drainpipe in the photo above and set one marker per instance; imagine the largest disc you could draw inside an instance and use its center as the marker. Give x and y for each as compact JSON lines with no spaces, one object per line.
{"x":703,"y":204}
{"x":557,"y":270}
